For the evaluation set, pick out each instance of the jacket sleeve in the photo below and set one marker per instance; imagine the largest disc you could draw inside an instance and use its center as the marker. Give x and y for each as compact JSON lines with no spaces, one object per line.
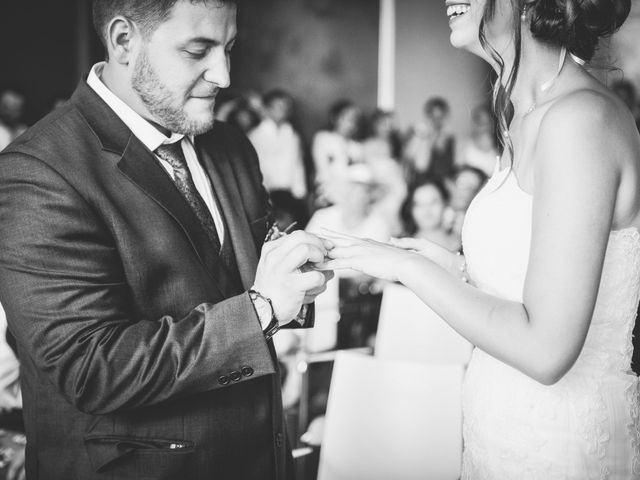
{"x":306,"y":316}
{"x":76,"y":324}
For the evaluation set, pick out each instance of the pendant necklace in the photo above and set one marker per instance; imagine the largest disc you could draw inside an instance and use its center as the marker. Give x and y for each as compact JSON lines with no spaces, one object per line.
{"x":545,"y":86}
{"x":549,"y":83}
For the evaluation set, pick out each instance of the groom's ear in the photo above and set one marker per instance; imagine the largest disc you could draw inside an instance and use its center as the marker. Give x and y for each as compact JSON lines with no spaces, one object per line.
{"x":122,"y":39}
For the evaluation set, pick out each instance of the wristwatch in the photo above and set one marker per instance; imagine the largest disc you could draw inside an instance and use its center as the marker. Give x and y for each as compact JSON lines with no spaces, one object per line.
{"x":265,"y":312}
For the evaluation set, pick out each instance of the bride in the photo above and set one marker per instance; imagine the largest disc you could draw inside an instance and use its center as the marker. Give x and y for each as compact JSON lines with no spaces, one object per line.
{"x":548,"y":287}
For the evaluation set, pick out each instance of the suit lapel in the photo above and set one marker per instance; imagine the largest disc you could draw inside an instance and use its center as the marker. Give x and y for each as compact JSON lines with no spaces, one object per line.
{"x":140,"y":166}
{"x":216,"y":162}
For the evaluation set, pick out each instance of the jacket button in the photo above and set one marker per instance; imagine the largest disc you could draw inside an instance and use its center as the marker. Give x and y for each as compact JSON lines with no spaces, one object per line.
{"x":247,"y":371}
{"x":223,"y":380}
{"x":235,"y":376}
{"x":279,"y":440}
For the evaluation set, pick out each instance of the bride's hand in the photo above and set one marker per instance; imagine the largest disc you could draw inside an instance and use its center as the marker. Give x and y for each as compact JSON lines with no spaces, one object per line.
{"x":441,"y":256}
{"x":370,"y":257}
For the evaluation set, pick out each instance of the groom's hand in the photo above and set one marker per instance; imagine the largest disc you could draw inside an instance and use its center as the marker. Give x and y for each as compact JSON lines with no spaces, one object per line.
{"x":285,"y":273}
{"x":312,"y":294}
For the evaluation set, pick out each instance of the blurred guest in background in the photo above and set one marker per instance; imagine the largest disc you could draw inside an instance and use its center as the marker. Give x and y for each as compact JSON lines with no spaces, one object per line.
{"x":243,"y":115}
{"x":480,"y":149}
{"x":352,"y":298}
{"x":381,"y":153}
{"x":423,"y":214}
{"x":335,"y":148}
{"x":626,"y":91}
{"x":11,"y":111}
{"x":242,"y":110}
{"x":279,"y":147}
{"x":430,"y":150}
{"x":383,"y":139}
{"x":466,"y":184}
{"x":288,"y":211}
{"x":11,"y":420}
{"x":5,"y":137}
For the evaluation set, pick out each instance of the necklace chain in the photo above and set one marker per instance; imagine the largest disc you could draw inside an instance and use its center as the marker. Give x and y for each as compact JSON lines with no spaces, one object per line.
{"x":549,"y":83}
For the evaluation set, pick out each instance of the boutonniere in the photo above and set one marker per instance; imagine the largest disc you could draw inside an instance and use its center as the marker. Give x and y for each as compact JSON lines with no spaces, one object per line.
{"x":275,"y":233}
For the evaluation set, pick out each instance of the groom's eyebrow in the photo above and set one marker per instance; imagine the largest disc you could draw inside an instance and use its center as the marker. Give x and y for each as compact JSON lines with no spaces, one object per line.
{"x":210,"y":41}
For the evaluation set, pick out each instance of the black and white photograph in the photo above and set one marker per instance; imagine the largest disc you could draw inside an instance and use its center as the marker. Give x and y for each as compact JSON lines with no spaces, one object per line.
{"x":319,"y":239}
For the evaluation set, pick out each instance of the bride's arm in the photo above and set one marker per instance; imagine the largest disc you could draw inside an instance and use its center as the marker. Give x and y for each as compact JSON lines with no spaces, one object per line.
{"x":576,"y":179}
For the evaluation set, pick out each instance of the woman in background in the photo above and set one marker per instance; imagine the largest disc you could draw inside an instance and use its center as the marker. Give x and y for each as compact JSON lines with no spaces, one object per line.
{"x":430,"y":150}
{"x":383,"y":140}
{"x":423,"y":214}
{"x":552,"y":253}
{"x":335,"y":148}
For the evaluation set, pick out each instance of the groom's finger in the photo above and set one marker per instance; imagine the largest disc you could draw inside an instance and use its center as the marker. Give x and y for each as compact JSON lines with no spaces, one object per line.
{"x":301,"y":254}
{"x":299,"y":237}
{"x":312,"y":294}
{"x":328,"y":275}
{"x":308,"y":281}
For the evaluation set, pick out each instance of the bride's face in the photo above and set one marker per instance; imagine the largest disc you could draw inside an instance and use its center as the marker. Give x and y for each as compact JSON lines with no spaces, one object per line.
{"x":465,"y":17}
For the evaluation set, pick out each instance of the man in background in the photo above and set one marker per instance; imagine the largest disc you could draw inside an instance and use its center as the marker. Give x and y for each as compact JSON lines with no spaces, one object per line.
{"x":626,"y":91}
{"x":11,"y":111}
{"x":279,"y":147}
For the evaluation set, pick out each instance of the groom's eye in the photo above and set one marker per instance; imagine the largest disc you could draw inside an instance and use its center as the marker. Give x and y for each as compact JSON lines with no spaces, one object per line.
{"x":196,"y":54}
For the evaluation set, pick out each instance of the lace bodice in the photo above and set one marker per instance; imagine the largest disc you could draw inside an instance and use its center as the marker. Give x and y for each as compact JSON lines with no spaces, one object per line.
{"x":595,"y":406}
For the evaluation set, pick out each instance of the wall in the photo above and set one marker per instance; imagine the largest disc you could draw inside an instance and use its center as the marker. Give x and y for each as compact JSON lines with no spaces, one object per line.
{"x":319,"y":50}
{"x":427,"y":65}
{"x":625,"y":46}
{"x":38,"y":47}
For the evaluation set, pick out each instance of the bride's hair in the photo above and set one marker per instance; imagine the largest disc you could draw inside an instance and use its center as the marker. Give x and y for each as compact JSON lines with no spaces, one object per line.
{"x":577,"y":25}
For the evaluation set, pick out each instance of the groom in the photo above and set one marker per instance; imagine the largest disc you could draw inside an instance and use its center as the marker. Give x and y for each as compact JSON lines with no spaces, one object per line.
{"x":130,"y":265}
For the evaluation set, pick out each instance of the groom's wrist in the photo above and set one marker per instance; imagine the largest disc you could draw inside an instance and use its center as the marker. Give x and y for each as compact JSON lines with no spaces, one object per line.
{"x":265,"y":312}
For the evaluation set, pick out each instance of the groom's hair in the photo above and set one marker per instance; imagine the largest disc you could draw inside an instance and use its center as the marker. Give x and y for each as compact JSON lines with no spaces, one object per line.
{"x":146,"y":14}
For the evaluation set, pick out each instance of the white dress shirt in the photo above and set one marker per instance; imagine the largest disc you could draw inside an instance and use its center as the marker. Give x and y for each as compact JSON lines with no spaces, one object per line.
{"x":280,"y":155}
{"x":152,"y":138}
{"x":332,"y":155}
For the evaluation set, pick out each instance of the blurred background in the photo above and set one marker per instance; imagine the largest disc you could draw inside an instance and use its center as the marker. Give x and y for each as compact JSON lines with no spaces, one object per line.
{"x":366,"y":121}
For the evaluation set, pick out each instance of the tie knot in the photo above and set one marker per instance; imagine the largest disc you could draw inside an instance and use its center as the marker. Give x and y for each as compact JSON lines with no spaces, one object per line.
{"x":173,"y":155}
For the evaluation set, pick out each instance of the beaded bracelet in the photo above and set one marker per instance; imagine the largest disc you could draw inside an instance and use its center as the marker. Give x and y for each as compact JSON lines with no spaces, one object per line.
{"x":462,"y":267}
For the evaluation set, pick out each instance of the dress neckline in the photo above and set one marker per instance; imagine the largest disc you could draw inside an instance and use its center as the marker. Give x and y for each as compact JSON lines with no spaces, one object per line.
{"x":511,"y":175}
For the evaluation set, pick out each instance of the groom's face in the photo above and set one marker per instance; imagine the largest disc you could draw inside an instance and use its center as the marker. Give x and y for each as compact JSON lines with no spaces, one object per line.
{"x":181,"y":66}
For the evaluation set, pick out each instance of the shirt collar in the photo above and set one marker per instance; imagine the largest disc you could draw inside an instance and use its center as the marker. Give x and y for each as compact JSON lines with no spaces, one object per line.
{"x":149,"y":135}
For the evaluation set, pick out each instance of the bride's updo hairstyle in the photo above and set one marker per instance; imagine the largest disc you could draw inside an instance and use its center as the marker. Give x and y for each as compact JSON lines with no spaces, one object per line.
{"x":577,"y":25}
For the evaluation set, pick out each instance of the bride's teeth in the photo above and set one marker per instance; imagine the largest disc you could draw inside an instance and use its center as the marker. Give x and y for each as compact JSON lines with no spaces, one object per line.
{"x":456,"y":10}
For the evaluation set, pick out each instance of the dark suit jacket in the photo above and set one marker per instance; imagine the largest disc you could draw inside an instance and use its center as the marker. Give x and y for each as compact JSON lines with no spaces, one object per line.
{"x":142,"y":357}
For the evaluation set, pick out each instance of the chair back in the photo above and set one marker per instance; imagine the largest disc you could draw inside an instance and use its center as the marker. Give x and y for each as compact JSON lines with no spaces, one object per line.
{"x":392,"y":420}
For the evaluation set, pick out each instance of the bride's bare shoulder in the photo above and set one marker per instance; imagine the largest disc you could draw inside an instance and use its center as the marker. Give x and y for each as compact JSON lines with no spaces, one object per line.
{"x":583,"y":140}
{"x":591,"y":121}
{"x":592,"y":109}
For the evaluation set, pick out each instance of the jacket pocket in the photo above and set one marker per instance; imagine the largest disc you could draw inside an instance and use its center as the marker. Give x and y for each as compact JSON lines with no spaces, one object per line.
{"x":140,"y":458}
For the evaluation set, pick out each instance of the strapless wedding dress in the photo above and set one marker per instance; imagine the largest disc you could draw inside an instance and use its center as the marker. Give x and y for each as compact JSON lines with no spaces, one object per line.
{"x":587,"y":425}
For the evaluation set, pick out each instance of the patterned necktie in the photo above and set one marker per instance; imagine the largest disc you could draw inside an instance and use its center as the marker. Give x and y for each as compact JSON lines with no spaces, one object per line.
{"x":173,"y":155}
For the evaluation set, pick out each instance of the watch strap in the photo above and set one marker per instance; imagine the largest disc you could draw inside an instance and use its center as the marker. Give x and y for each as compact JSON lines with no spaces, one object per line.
{"x":273,"y":325}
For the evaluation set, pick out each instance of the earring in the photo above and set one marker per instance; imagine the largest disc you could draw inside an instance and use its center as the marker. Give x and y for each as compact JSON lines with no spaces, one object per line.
{"x":523,"y":16}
